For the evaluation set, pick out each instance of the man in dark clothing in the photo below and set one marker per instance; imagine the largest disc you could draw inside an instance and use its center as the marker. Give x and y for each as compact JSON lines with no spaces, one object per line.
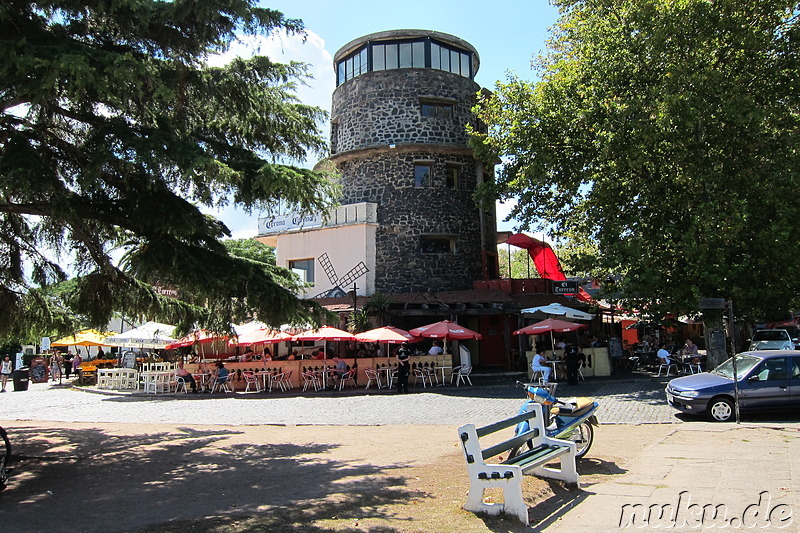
{"x":403,"y":368}
{"x":573,"y":356}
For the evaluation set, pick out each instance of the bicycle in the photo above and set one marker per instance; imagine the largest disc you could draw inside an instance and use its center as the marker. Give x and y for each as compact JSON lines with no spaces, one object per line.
{"x":5,"y":457}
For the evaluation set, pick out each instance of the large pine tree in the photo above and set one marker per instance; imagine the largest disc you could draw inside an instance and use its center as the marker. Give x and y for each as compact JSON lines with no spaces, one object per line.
{"x":114,"y":132}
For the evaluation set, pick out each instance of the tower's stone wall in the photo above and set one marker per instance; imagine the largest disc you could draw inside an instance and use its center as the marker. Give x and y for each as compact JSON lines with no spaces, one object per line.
{"x":378,"y":134}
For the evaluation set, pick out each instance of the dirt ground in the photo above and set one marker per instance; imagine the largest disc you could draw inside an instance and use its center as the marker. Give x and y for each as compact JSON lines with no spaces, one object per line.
{"x":148,"y":478}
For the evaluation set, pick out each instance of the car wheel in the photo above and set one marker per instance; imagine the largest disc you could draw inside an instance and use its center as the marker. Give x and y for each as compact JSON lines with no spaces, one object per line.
{"x":720,"y":410}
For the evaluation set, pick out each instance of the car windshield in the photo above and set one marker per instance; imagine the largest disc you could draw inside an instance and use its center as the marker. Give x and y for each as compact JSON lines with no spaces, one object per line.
{"x":771,"y":335}
{"x":744,"y":363}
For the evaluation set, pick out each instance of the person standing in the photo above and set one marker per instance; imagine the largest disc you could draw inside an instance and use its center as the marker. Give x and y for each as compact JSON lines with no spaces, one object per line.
{"x":76,"y":362}
{"x":403,"y":368}
{"x":55,"y":366}
{"x":5,"y":372}
{"x":573,"y":357}
{"x":67,"y":365}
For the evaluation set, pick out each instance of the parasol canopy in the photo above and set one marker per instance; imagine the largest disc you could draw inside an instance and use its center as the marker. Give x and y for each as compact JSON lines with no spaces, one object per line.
{"x":325,"y":333}
{"x":261,"y":336}
{"x":548,"y":326}
{"x":556,"y":309}
{"x":445,"y":330}
{"x":388,"y":335}
{"x":87,"y":337}
{"x":148,"y":335}
{"x":202,"y":336}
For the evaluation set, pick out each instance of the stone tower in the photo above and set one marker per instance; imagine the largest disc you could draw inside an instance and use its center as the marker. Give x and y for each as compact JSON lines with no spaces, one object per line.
{"x":398,"y":140}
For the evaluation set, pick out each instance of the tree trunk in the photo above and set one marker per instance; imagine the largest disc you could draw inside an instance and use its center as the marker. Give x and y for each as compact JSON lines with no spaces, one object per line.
{"x":716,"y":342}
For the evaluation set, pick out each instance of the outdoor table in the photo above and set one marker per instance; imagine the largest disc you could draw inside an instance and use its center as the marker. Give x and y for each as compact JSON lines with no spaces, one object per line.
{"x":387,"y":371}
{"x":555,"y":363}
{"x":443,"y":368}
{"x":201,"y":380}
{"x":266,"y":376}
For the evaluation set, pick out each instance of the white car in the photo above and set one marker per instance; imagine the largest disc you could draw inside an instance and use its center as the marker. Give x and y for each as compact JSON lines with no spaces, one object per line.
{"x":771,"y":339}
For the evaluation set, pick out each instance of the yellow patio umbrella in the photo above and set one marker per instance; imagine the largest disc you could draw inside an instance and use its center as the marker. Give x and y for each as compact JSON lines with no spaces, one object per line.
{"x":87,"y":337}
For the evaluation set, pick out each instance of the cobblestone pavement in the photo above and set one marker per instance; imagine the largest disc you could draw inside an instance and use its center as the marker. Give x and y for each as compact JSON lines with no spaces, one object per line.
{"x":629,"y":400}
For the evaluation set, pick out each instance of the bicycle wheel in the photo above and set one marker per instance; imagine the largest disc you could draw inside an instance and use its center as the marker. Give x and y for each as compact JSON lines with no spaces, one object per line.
{"x":5,"y":456}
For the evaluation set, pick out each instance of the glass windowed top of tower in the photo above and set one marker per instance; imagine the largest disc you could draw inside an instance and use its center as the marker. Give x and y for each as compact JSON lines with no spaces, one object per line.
{"x":405,"y":49}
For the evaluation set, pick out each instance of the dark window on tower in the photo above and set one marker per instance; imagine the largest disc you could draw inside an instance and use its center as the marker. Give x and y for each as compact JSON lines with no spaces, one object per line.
{"x":433,"y":109}
{"x":437,"y":244}
{"x":422,"y":175}
{"x":453,"y":172}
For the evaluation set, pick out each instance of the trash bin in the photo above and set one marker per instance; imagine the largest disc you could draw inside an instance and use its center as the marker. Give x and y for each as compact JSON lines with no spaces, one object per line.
{"x":21,"y":379}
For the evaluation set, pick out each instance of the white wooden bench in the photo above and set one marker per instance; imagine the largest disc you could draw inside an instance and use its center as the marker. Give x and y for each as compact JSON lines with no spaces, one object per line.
{"x":508,"y":473}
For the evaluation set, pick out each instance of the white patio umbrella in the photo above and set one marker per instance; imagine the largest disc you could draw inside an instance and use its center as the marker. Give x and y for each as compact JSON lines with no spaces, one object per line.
{"x":149,"y":335}
{"x":556,"y":309}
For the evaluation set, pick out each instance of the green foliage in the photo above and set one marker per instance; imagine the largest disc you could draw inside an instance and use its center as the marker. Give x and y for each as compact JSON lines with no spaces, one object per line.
{"x":115,"y":132}
{"x":379,"y":305}
{"x":359,"y":321}
{"x":665,"y":135}
{"x":250,"y":249}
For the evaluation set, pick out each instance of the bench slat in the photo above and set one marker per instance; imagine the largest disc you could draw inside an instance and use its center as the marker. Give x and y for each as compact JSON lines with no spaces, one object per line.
{"x":516,"y":442}
{"x":539,"y":455}
{"x":502,"y":424}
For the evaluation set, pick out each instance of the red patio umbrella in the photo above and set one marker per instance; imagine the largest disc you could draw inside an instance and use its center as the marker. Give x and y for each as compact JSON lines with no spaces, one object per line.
{"x":550,"y":325}
{"x":325,"y":333}
{"x":445,"y":330}
{"x":261,"y":336}
{"x":386,"y":334}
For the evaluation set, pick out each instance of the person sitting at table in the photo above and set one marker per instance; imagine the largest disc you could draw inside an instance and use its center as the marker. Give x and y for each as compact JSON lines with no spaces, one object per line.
{"x":317,"y":354}
{"x":247,"y":356}
{"x":436,"y":349}
{"x":340,"y":368}
{"x":184,"y":375}
{"x":222,"y":373}
{"x":539,"y":364}
{"x":663,"y":355}
{"x":690,"y":350}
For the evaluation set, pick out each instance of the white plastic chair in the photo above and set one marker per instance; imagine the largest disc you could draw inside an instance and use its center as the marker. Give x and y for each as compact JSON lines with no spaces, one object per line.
{"x":278,"y":379}
{"x":461,"y":375}
{"x":222,"y":384}
{"x":666,"y":367}
{"x":580,"y":367}
{"x":311,"y":379}
{"x":287,"y":380}
{"x":419,"y":374}
{"x":349,"y":376}
{"x":250,"y":378}
{"x":372,"y":375}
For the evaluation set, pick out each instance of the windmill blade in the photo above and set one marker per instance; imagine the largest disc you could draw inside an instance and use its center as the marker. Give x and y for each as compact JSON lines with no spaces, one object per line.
{"x":356,"y":272}
{"x":327,"y":266}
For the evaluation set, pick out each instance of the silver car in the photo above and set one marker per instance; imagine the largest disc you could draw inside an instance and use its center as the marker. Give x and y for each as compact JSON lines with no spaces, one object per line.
{"x":771,"y":339}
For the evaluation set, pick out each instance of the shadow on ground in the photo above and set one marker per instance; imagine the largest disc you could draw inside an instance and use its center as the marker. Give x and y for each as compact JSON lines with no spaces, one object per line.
{"x":96,"y":480}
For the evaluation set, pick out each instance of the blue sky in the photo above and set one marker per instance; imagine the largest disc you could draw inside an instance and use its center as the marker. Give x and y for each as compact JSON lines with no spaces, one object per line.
{"x":507,"y":35}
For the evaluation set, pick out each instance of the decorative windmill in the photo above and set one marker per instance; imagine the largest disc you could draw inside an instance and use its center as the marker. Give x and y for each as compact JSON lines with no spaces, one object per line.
{"x":336,"y":291}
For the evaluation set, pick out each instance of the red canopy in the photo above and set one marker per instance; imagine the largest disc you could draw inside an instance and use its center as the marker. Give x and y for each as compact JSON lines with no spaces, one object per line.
{"x":387,"y":334}
{"x":542,"y":254}
{"x":445,"y":330}
{"x":200,"y":335}
{"x":550,"y":325}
